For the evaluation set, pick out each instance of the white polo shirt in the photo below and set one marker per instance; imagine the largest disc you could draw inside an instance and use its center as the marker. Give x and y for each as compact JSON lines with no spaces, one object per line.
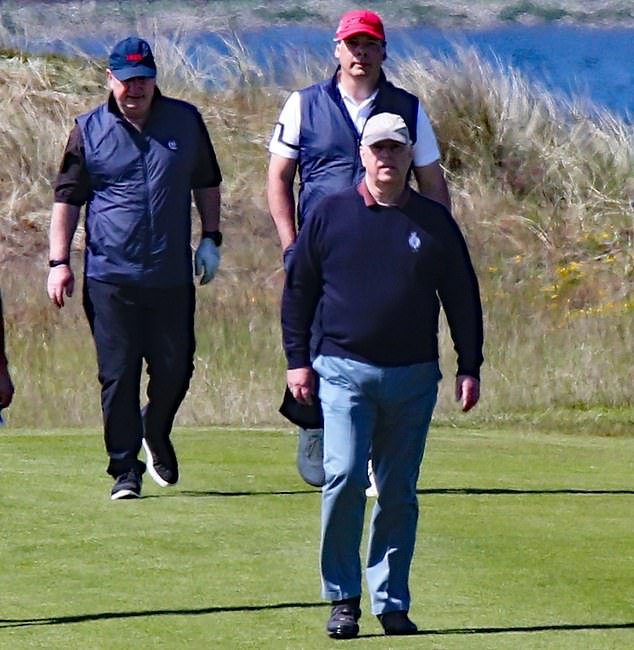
{"x":285,"y":138}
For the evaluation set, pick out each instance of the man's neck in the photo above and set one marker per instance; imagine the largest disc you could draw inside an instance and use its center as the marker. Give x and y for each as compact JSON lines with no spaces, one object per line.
{"x":387,"y":194}
{"x":358,"y":88}
{"x":137,"y":123}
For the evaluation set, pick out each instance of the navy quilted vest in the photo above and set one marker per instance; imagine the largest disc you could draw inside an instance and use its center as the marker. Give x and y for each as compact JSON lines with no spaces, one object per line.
{"x":329,"y":158}
{"x":138,"y":218}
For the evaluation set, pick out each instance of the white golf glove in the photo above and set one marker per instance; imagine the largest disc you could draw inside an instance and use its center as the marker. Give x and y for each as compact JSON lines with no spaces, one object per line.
{"x":206,"y":260}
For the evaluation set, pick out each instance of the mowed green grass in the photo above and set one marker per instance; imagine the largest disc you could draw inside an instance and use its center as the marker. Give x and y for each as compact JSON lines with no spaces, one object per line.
{"x":525,"y":541}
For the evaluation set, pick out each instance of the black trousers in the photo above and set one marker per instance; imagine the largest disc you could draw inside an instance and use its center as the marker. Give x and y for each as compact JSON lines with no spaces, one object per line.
{"x":130,"y":325}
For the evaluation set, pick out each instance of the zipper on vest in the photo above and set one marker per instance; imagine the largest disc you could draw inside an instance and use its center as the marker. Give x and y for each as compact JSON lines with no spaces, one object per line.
{"x":149,"y":236}
{"x":353,"y":129}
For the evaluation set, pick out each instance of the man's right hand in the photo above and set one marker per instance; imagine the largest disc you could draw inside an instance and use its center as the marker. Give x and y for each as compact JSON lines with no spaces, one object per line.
{"x":301,"y":383}
{"x":61,"y":280}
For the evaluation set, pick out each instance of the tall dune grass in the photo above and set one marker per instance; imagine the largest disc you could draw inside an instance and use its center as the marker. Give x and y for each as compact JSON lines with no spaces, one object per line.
{"x":541,"y":190}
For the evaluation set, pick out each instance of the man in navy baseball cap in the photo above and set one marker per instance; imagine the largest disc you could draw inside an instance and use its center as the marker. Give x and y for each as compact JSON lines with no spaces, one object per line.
{"x":131,"y":58}
{"x":139,"y":153}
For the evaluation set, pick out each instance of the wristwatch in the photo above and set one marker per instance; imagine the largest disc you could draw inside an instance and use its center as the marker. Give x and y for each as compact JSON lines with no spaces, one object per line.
{"x":214,"y":235}
{"x":53,"y":263}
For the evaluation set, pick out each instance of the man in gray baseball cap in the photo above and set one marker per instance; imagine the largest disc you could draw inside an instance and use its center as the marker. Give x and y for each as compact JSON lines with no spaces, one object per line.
{"x":377,"y":362}
{"x":316,"y":139}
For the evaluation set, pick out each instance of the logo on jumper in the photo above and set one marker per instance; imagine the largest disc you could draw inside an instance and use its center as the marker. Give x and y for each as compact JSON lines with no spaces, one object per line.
{"x":173,"y":145}
{"x":414,"y":242}
{"x":134,"y":57}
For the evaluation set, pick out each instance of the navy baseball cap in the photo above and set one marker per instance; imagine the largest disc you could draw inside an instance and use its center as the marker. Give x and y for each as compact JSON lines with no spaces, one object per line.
{"x":132,"y":57}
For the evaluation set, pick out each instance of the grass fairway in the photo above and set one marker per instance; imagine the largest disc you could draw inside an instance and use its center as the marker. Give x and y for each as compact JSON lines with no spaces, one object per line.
{"x":526,"y":541}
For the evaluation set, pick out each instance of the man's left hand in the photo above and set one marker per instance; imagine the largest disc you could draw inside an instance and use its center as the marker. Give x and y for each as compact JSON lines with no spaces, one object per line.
{"x":206,"y":260}
{"x":467,"y":391}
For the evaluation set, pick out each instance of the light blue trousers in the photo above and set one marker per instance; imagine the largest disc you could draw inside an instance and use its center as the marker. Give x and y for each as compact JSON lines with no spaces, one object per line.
{"x":388,"y":411}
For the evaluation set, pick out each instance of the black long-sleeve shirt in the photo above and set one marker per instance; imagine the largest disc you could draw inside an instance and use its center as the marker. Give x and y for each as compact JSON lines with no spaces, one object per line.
{"x":376,"y":276}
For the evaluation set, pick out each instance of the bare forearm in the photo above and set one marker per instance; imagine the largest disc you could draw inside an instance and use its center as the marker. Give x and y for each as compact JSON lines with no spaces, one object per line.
{"x":207,"y":200}
{"x":282,"y":208}
{"x":281,"y":199}
{"x":64,"y":219}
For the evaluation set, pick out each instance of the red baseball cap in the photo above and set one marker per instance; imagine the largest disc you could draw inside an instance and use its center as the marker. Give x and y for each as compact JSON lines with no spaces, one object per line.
{"x":360,"y":21}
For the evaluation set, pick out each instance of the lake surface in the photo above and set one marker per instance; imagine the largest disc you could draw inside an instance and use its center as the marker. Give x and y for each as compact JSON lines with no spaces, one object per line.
{"x":582,"y":62}
{"x":588,"y":63}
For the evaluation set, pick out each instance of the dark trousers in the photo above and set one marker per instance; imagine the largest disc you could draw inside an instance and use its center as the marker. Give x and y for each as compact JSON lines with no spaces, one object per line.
{"x":130,"y":325}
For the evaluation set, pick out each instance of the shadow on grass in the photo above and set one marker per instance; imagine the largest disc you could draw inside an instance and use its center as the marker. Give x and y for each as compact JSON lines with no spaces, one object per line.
{"x":458,"y":491}
{"x":503,"y":491}
{"x":525,"y":629}
{"x":104,"y":616}
{"x":228,"y":493}
{"x":6,"y":623}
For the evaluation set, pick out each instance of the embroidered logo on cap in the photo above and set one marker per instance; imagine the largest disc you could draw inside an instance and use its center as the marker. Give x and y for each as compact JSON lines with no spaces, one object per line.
{"x":134,"y":57}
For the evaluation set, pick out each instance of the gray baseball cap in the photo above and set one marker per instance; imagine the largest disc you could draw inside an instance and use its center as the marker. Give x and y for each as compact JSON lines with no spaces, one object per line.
{"x":385,"y":126}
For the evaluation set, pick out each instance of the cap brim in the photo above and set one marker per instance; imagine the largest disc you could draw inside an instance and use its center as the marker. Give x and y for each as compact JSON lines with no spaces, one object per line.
{"x":358,"y":32}
{"x":303,"y":415}
{"x":380,"y":137}
{"x":129,"y":73}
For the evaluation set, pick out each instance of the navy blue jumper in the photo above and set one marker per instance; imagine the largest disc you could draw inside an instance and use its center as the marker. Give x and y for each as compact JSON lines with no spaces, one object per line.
{"x":379,"y":275}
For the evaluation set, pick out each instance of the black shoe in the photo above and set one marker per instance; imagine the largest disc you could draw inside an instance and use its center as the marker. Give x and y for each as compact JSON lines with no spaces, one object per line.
{"x":344,"y":615}
{"x":128,"y":485}
{"x":397,"y":623}
{"x":162,"y":464}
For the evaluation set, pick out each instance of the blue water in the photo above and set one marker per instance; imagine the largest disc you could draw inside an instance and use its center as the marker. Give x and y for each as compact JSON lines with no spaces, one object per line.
{"x":593,"y":65}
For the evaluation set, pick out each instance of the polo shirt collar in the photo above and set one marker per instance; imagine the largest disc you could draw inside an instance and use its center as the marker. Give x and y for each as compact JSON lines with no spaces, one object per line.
{"x":354,"y":102}
{"x":370,"y":201}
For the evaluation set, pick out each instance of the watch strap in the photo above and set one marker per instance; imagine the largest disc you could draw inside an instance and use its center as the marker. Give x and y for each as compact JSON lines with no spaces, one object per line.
{"x":214,"y":235}
{"x":53,"y":263}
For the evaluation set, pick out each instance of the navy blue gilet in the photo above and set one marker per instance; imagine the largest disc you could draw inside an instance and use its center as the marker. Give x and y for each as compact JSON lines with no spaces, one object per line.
{"x":138,"y":217}
{"x":329,"y":159}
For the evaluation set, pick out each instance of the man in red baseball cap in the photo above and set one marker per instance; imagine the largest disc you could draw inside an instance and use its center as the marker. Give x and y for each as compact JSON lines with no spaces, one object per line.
{"x":318,"y":134}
